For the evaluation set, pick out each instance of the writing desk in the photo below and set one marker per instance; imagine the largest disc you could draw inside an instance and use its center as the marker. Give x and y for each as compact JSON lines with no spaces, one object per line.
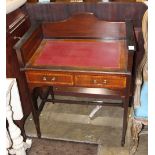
{"x":83,"y":55}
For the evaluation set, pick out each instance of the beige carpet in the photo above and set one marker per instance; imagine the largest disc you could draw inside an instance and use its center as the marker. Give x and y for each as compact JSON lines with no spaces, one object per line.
{"x":71,"y":123}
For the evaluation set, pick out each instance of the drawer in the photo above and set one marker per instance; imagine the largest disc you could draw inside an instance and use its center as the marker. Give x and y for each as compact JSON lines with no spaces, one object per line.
{"x":103,"y":81}
{"x":52,"y":78}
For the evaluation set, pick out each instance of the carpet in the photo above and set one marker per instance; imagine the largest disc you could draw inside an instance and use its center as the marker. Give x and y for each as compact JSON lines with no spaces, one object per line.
{"x":52,"y":147}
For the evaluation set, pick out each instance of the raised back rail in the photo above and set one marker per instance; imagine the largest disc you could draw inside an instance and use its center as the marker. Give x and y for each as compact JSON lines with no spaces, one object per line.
{"x":85,"y":25}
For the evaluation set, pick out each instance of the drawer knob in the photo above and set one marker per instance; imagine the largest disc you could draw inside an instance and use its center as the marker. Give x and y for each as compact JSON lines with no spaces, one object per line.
{"x":44,"y":78}
{"x":15,"y":37}
{"x":53,"y":79}
{"x":94,"y":81}
{"x":104,"y":81}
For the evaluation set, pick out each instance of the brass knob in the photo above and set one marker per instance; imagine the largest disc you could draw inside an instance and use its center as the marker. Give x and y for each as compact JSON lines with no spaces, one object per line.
{"x":15,"y":37}
{"x":94,"y":81}
{"x":104,"y":81}
{"x":44,"y":78}
{"x":53,"y":78}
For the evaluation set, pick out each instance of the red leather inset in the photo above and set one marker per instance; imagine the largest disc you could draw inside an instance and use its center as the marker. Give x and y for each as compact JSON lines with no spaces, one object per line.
{"x":80,"y":54}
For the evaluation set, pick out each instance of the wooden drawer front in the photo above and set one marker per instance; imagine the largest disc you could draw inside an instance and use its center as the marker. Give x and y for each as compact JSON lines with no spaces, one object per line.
{"x":49,"y":78}
{"x":103,"y":81}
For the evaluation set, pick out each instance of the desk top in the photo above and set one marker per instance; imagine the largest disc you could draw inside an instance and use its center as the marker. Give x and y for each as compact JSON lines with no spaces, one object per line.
{"x":91,"y":54}
{"x":81,"y":43}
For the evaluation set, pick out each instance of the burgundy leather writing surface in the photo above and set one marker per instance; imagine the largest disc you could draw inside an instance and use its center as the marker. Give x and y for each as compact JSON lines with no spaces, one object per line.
{"x":80,"y":54}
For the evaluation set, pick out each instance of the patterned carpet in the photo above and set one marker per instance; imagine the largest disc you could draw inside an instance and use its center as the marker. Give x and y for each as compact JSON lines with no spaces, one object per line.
{"x":52,"y":147}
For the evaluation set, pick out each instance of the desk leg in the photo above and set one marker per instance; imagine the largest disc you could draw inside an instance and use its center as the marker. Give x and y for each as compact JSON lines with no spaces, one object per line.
{"x":52,"y":93}
{"x":125,"y":118}
{"x":35,"y":112}
{"x":20,"y":124}
{"x":43,"y":93}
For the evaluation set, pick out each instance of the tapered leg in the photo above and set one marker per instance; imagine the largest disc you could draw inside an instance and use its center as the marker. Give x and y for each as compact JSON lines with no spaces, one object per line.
{"x":20,"y":124}
{"x":43,"y":93}
{"x":125,"y":118}
{"x":35,"y":112}
{"x":52,"y":94}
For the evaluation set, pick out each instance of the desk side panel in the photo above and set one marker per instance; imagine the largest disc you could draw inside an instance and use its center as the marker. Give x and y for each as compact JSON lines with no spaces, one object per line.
{"x":27,"y":45}
{"x":32,"y":43}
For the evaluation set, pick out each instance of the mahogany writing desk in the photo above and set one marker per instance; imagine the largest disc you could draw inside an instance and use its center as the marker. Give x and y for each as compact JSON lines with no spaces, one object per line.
{"x":82,"y":54}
